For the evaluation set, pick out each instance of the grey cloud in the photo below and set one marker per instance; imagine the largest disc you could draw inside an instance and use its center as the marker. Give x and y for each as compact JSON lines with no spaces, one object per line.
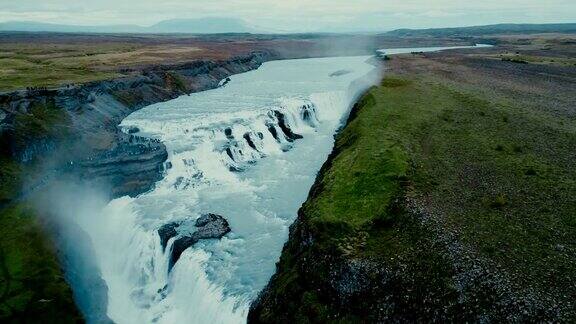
{"x":295,"y":15}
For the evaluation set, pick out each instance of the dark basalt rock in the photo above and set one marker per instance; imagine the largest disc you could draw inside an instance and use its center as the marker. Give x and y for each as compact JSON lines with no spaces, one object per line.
{"x":229,"y":152}
{"x":228,"y":133}
{"x":209,"y":226}
{"x":305,"y":114}
{"x":234,"y":168}
{"x":226,"y":82}
{"x":167,"y":232}
{"x":133,"y":130}
{"x":250,"y":141}
{"x":180,"y":245}
{"x":274,"y":132}
{"x":290,"y":135}
{"x":309,"y":115}
{"x":340,"y":73}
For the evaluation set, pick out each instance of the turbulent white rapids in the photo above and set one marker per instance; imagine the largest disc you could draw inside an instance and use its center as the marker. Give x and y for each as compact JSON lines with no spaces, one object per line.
{"x":233,"y":151}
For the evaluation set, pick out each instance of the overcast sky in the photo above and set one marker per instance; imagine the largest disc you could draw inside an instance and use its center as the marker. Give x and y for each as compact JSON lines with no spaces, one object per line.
{"x":296,"y":15}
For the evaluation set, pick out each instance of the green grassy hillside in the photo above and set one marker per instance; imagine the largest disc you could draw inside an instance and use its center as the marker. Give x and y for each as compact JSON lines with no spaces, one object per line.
{"x":32,"y":284}
{"x":439,"y":203}
{"x":33,"y":289}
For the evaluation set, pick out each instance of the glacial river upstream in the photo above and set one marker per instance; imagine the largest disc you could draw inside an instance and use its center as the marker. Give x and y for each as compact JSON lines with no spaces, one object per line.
{"x":228,"y":155}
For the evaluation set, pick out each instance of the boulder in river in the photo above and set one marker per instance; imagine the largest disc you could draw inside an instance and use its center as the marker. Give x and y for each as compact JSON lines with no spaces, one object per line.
{"x":228,"y":133}
{"x":209,"y":226}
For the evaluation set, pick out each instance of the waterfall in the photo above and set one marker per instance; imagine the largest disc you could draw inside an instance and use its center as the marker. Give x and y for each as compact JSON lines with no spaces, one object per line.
{"x":248,"y":151}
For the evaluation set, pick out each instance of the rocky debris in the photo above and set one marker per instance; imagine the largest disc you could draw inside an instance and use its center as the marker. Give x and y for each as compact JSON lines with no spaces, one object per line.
{"x":209,"y":226}
{"x":560,"y":248}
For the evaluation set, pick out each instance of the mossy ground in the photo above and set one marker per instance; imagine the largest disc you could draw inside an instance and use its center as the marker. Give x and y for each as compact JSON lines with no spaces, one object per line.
{"x":500,"y":175}
{"x":43,"y":121}
{"x":497,"y":176}
{"x":46,"y":65}
{"x":32,"y":286}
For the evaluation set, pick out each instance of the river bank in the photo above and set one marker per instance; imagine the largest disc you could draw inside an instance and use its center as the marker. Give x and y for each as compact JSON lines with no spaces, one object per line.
{"x":447,"y":198}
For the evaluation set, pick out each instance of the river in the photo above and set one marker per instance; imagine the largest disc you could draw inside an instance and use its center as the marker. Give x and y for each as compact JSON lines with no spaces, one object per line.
{"x":228,"y":155}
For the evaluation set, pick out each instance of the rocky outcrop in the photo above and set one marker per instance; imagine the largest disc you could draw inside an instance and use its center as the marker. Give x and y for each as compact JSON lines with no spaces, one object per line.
{"x":209,"y":226}
{"x":166,"y":232}
{"x":242,"y":148}
{"x":130,"y":168}
{"x":285,"y":127}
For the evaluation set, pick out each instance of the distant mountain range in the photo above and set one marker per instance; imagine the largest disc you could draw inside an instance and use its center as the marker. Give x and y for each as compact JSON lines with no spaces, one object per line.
{"x":487,"y":30}
{"x":216,"y":25}
{"x":189,"y":26}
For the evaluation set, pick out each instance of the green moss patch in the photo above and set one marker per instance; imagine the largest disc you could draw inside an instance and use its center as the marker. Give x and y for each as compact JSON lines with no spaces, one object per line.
{"x":31,"y":283}
{"x":495,"y":176}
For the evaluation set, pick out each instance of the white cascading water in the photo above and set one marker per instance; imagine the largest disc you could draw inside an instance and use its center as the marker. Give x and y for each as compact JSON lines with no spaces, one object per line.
{"x":229,"y":154}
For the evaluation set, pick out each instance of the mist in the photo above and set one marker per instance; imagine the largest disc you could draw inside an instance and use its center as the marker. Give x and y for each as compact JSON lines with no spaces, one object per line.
{"x":66,"y":208}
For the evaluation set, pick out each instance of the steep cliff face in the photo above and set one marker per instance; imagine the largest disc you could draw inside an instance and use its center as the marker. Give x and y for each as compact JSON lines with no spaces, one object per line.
{"x":81,"y":134}
{"x":49,"y":134}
